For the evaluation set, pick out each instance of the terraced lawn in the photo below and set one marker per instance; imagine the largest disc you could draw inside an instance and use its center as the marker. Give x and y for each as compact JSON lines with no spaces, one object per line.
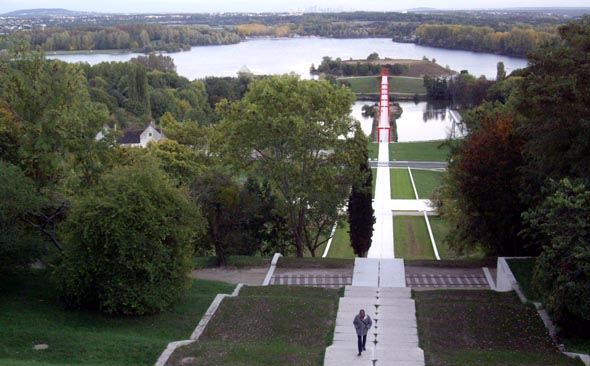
{"x":426,"y":182}
{"x":401,"y":185}
{"x":411,"y":239}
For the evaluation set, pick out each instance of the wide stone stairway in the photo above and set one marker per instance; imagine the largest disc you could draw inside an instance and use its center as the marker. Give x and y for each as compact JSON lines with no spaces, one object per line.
{"x":378,"y":286}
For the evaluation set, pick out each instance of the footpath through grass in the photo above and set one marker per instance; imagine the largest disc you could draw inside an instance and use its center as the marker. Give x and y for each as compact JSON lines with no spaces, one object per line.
{"x":484,"y":328}
{"x":274,"y":325}
{"x":30,"y":314}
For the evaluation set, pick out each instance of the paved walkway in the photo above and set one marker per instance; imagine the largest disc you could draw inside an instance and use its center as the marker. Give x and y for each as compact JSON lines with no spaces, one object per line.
{"x":382,"y":244}
{"x":379,"y":288}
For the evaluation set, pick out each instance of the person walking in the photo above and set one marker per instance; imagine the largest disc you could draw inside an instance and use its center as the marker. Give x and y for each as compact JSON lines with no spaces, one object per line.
{"x":362,"y":324}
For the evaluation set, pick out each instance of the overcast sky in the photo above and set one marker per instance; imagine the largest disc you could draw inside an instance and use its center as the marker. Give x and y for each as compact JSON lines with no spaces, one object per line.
{"x":195,"y":6}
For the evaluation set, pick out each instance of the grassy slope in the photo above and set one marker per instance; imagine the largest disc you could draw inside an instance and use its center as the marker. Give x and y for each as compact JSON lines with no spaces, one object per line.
{"x":286,"y":325}
{"x":440,"y":229}
{"x":411,"y":239}
{"x":401,"y":186}
{"x":418,"y":151}
{"x":30,"y":313}
{"x":426,"y":182}
{"x":483,"y":328}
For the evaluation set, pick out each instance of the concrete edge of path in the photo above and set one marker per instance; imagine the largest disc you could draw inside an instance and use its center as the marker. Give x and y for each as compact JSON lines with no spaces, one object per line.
{"x":172,"y":346}
{"x":271,"y":269}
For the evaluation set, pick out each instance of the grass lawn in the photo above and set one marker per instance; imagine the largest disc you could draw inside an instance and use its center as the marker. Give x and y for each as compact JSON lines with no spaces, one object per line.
{"x":30,"y":313}
{"x":341,"y":243}
{"x":440,"y":229}
{"x":401,"y":185}
{"x":484,"y":328}
{"x":411,"y":239}
{"x":373,"y":150}
{"x":397,"y":84}
{"x":374,"y":171}
{"x":523,"y":271}
{"x":418,"y":151}
{"x":426,"y":182}
{"x":274,"y":325}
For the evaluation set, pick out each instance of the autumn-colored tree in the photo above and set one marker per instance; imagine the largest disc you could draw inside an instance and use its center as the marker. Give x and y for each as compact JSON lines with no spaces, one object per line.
{"x":481,"y":190}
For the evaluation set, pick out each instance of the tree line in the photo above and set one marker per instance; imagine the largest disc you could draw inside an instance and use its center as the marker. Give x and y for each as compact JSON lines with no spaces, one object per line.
{"x":514,"y":42}
{"x":337,"y":67}
{"x":518,"y":183}
{"x":143,"y":38}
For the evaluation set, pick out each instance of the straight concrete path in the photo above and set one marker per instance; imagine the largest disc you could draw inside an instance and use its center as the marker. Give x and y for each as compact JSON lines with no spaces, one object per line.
{"x":378,"y":288}
{"x":382,"y":242}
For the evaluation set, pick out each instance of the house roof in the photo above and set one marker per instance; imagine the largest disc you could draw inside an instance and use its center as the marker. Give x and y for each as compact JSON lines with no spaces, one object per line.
{"x":130,"y":137}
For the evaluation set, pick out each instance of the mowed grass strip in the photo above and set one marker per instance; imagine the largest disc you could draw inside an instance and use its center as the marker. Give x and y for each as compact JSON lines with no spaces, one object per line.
{"x":410,"y":238}
{"x":484,"y":328}
{"x":401,"y":185}
{"x":373,"y":150}
{"x":397,"y":84}
{"x":374,"y":171}
{"x":274,"y":325}
{"x":419,"y":151}
{"x":341,"y":247}
{"x":426,"y":182}
{"x":30,"y":313}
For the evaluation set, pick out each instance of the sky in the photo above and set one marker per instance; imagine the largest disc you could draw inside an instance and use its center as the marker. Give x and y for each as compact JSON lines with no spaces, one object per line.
{"x":206,"y":6}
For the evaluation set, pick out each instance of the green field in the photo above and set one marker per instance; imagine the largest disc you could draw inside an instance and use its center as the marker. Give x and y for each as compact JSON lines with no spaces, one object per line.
{"x":397,"y":85}
{"x":30,"y":313}
{"x":286,"y":325}
{"x":401,"y":186}
{"x":373,"y":150}
{"x":374,"y":171}
{"x":418,"y":151}
{"x":341,"y":243}
{"x":483,"y":328}
{"x":440,"y":229}
{"x":426,"y":182}
{"x":411,"y":239}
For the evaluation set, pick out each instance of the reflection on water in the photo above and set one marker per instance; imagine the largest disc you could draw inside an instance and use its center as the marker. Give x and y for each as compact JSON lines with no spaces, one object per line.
{"x":421,"y":121}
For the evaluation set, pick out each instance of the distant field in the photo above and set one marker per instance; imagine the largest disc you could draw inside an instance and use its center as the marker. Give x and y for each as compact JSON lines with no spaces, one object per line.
{"x":397,"y":85}
{"x":413,"y":68}
{"x":419,"y":151}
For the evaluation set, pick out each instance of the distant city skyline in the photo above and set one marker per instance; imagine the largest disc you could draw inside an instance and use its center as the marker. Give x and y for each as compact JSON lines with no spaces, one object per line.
{"x":208,"y":6}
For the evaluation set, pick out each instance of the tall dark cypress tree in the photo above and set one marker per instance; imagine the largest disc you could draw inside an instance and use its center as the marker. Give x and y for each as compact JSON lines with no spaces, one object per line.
{"x":361,"y":215}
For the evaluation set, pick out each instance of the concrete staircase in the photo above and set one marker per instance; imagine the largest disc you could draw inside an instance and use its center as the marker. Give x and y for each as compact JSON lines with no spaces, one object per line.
{"x":393,"y":339}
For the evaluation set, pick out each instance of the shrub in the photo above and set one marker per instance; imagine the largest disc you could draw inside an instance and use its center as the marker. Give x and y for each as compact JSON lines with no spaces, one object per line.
{"x":128,"y":243}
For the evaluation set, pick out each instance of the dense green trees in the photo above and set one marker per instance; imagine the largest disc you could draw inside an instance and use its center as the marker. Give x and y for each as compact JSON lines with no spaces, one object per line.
{"x":289,"y":131}
{"x":338,"y":67}
{"x":516,"y":42}
{"x":561,"y":225}
{"x":518,"y":183}
{"x":136,"y":37}
{"x":361,"y":215}
{"x":129,"y":242}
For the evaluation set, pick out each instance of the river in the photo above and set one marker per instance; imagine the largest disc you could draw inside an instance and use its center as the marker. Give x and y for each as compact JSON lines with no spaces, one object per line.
{"x":278,"y":56}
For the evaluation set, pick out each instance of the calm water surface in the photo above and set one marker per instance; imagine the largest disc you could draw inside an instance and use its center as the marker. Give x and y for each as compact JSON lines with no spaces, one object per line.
{"x":279,"y":56}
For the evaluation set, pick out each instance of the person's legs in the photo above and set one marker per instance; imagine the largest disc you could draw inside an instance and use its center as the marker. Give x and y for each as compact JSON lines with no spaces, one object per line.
{"x":364,"y":342}
{"x":360,"y":344}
